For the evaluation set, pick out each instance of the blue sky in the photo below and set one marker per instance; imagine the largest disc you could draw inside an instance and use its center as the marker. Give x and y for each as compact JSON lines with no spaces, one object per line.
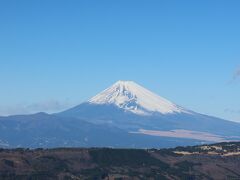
{"x":56,"y":54}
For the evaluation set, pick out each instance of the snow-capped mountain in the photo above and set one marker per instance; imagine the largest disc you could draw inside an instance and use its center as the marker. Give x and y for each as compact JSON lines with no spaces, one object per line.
{"x":124,"y":115}
{"x":130,"y":107}
{"x":134,"y":98}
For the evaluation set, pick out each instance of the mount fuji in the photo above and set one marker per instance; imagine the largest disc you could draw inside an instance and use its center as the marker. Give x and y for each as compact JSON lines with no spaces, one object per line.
{"x":124,"y":115}
{"x":132,"y":97}
{"x":126,"y":98}
{"x":130,"y":107}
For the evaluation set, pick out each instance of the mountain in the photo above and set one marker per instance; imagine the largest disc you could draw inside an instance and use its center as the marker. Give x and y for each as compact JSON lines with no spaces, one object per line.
{"x":45,"y":130}
{"x":124,"y":115}
{"x":131,"y":97}
{"x":128,"y":106}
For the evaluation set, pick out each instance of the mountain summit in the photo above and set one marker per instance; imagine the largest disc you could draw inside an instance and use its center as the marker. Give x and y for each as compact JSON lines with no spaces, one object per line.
{"x":134,"y":98}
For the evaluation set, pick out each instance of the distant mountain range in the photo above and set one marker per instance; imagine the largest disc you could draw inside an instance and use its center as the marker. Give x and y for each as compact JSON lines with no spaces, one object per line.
{"x":124,"y":115}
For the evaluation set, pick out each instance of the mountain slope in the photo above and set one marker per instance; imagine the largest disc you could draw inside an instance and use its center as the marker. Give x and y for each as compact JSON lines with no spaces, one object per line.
{"x":49,"y":131}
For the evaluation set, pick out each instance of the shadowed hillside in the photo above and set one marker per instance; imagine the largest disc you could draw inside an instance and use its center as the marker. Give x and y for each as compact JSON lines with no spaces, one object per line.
{"x":218,"y":161}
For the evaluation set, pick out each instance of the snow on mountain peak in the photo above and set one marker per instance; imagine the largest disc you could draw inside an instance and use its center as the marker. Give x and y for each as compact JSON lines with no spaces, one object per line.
{"x":132,"y":97}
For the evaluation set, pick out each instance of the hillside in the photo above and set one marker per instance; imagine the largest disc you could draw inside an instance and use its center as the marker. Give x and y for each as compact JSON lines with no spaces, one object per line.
{"x":217,"y":161}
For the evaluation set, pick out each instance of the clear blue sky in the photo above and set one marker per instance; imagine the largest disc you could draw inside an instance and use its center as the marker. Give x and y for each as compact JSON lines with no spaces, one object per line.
{"x":55,"y":54}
